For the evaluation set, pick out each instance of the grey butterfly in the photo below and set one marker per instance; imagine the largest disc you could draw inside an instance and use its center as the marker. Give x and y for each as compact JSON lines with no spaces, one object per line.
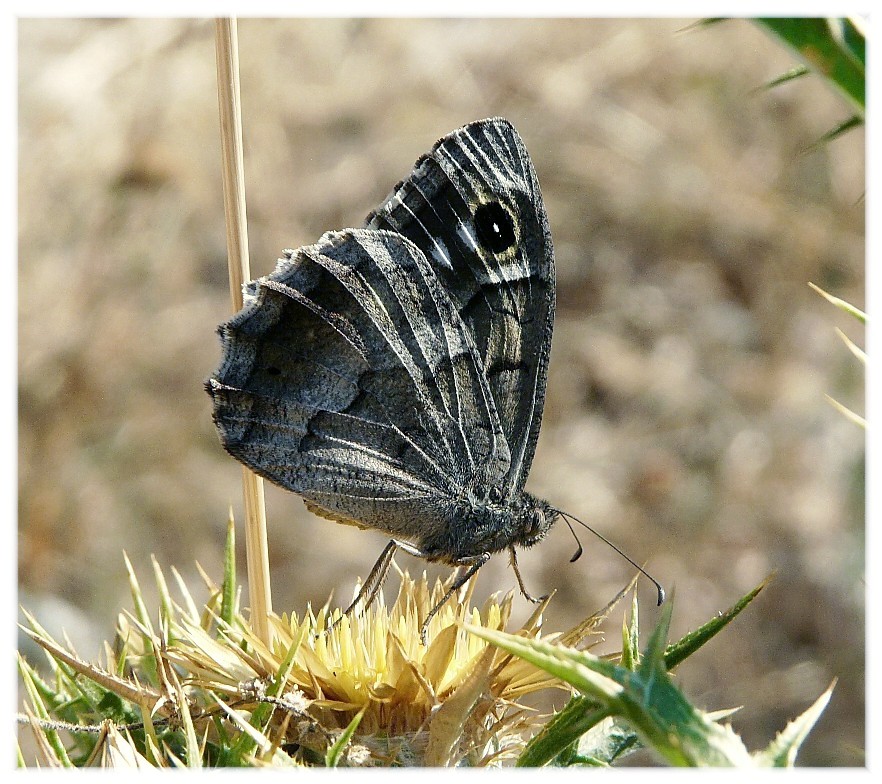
{"x":394,"y":375}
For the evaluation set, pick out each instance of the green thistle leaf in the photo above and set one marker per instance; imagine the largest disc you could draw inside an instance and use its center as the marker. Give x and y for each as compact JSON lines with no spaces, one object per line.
{"x":781,"y":752}
{"x":833,"y":48}
{"x":691,"y":642}
{"x":228,"y":590}
{"x":647,"y":699}
{"x":844,"y":306}
{"x":332,"y":758}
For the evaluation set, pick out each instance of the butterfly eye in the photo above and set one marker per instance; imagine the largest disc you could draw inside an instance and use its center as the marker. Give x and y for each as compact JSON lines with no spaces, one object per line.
{"x":536,"y":522}
{"x":495,"y":227}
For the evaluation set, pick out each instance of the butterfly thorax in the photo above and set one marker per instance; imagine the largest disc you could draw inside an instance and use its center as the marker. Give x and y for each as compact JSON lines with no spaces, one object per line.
{"x":489,"y":524}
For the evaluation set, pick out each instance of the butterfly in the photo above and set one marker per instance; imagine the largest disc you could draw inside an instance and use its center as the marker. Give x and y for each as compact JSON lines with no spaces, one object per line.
{"x":394,"y":375}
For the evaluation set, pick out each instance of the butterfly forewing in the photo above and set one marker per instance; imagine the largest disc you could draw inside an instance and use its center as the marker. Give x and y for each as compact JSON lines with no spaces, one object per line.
{"x":474,"y":208}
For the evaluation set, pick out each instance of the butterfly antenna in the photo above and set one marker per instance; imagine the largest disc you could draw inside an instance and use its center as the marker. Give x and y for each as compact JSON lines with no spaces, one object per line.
{"x":578,"y":554}
{"x":567,"y":517}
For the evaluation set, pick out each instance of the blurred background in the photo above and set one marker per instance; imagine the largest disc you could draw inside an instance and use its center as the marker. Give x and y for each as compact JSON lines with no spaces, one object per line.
{"x":685,"y":416}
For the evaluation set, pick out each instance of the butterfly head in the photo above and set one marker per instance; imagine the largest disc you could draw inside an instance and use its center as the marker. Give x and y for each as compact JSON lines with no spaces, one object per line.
{"x":536,"y":519}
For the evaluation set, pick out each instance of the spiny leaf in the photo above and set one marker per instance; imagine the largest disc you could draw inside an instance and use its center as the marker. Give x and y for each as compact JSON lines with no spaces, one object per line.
{"x":847,"y":307}
{"x":276,"y":688}
{"x":631,"y":639}
{"x":781,"y":752}
{"x":690,"y":643}
{"x":249,"y":739}
{"x":583,"y":713}
{"x":706,"y":22}
{"x":647,"y":699}
{"x":189,"y":603}
{"x":332,"y":757}
{"x":788,"y":76}
{"x":256,"y":737}
{"x":576,"y":718}
{"x":141,"y":612}
{"x":849,"y":344}
{"x":40,"y":712}
{"x":228,"y":591}
{"x":49,"y":749}
{"x":832,"y":47}
{"x":654,"y":656}
{"x":603,"y":744}
{"x":192,"y":746}
{"x":166,"y":606}
{"x":105,"y":680}
{"x":847,"y":412}
{"x":834,"y":133}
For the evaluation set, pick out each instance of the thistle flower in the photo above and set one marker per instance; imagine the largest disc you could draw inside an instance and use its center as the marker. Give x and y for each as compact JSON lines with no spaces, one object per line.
{"x":201,"y":688}
{"x":196,"y":689}
{"x":452,"y":701}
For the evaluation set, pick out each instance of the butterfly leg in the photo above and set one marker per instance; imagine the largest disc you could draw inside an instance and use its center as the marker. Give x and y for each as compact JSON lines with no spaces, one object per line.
{"x":372,"y":584}
{"x":376,"y":578}
{"x":473,"y":565}
{"x":514,"y":566}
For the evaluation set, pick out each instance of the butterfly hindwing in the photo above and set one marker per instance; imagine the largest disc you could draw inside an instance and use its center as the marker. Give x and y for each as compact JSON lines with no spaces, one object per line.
{"x":350,"y":379}
{"x":473,"y":206}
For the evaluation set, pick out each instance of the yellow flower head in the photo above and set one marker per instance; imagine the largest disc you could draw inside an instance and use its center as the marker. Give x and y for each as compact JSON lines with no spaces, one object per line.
{"x":453,"y":700}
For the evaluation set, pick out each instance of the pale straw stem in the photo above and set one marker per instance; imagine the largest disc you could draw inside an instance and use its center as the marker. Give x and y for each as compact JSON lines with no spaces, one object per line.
{"x":256,"y":553}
